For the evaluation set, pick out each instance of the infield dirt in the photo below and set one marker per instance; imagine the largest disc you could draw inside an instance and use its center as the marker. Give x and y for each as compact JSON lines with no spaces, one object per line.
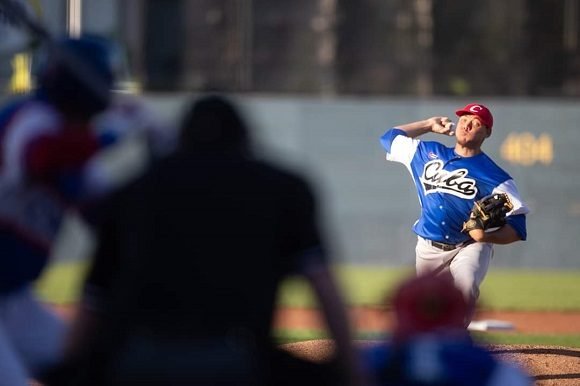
{"x":549,"y":365}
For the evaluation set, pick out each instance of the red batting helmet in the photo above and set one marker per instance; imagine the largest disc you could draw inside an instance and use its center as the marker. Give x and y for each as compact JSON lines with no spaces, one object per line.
{"x":428,"y":303}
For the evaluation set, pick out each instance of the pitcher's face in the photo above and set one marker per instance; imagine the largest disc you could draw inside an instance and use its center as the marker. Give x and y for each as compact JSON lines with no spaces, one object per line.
{"x":471,"y":131}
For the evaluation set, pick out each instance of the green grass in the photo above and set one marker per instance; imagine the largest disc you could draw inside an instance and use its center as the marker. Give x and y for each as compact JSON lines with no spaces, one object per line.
{"x":506,"y":289}
{"x":568,"y":340}
{"x":360,"y":286}
{"x":532,"y":290}
{"x":291,"y":336}
{"x":560,"y":340}
{"x":508,"y":338}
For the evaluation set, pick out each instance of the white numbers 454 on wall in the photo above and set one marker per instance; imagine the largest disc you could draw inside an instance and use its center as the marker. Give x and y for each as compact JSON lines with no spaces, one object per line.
{"x":527,"y":149}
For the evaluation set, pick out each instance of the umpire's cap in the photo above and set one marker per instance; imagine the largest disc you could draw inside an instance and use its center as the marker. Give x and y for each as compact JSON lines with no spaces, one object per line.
{"x":78,"y":75}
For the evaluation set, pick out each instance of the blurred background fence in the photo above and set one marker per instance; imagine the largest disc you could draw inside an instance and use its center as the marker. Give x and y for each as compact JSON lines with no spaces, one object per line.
{"x":336,"y":47}
{"x":323,"y":79}
{"x":370,"y":204}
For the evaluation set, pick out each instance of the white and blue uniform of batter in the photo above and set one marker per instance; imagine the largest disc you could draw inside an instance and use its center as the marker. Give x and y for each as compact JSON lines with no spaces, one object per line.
{"x":32,"y":210}
{"x":448,"y":185}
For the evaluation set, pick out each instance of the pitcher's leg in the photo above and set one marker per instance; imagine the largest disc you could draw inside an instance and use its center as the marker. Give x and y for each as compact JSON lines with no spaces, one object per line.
{"x":469,"y":268}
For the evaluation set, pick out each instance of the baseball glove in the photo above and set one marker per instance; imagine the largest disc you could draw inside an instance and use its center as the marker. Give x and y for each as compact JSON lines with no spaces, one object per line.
{"x":488,"y":212}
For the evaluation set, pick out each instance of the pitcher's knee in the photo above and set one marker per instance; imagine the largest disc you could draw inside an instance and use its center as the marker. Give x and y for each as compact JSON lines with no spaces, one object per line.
{"x":469,"y":290}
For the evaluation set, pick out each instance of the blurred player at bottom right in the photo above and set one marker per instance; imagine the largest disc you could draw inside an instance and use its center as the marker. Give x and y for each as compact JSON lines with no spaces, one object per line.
{"x":430,"y":345}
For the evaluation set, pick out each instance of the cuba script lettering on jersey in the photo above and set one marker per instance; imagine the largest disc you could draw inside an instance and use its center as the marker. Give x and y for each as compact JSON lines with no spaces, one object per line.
{"x":456,"y":182}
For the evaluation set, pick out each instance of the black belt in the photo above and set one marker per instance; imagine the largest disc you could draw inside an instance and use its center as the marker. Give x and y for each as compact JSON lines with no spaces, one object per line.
{"x":444,"y":246}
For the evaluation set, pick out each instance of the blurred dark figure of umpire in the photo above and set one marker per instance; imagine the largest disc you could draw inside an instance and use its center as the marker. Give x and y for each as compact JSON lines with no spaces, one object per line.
{"x":184,"y":283}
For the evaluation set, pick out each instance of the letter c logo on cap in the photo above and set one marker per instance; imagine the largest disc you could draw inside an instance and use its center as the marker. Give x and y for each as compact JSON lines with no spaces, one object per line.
{"x":476,"y":108}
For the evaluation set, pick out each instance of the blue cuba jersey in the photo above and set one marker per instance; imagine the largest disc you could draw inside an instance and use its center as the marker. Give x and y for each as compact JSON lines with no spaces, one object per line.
{"x":448,"y":184}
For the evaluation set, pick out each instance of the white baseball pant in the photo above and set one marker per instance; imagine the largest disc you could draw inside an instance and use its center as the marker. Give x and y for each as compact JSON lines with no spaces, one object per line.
{"x":468,"y":267}
{"x":31,"y":338}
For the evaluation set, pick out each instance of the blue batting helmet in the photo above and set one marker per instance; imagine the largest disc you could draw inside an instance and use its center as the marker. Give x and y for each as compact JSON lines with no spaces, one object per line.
{"x":78,"y":75}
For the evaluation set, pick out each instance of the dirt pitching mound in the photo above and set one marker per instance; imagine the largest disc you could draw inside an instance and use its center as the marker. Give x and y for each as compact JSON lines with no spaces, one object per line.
{"x":548,"y":365}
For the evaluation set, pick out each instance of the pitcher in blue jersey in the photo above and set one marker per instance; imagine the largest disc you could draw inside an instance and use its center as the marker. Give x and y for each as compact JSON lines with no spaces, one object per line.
{"x":448,"y":181}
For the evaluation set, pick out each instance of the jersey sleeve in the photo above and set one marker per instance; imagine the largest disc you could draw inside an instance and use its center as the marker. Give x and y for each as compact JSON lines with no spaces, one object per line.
{"x":399,"y":147}
{"x":30,"y":122}
{"x":37,"y":145}
{"x":517,"y":217}
{"x":58,"y":156}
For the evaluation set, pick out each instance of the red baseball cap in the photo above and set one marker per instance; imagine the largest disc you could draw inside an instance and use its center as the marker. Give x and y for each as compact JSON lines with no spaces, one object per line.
{"x":477,"y":109}
{"x":428,"y":304}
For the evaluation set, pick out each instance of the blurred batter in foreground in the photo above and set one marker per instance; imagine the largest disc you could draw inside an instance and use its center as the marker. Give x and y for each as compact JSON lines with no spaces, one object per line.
{"x":429,"y":345}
